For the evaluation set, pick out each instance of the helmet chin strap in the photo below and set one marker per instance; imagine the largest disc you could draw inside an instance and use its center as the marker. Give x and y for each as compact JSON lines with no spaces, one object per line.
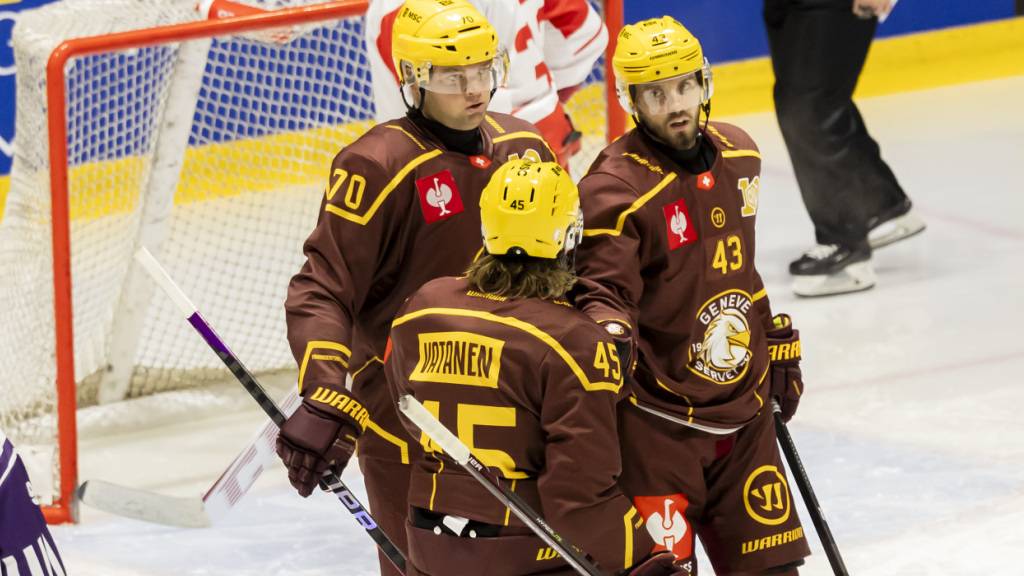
{"x":411,"y":107}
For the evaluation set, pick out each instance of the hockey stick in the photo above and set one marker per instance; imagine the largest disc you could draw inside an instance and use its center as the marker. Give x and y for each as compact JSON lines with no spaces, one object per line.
{"x":330,"y":480}
{"x":459,"y":452}
{"x":192,"y":512}
{"x":796,"y":467}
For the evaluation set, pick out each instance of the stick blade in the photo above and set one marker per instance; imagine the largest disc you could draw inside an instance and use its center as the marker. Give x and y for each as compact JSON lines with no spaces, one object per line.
{"x":181,"y":512}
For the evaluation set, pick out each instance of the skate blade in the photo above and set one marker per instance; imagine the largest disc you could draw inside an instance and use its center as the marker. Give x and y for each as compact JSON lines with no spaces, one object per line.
{"x":895,"y":230}
{"x":853,"y":278}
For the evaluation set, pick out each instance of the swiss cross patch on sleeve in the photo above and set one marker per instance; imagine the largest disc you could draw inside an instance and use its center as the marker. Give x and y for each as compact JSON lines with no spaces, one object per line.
{"x":439,"y":196}
{"x":678,"y":225}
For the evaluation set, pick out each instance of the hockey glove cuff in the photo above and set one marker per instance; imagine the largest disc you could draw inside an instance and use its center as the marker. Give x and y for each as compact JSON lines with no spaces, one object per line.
{"x":786,"y":380}
{"x":320,"y":435}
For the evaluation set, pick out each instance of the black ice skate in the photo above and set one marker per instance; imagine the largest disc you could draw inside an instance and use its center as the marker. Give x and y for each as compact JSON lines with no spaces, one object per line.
{"x":894,"y":224}
{"x":830,"y":269}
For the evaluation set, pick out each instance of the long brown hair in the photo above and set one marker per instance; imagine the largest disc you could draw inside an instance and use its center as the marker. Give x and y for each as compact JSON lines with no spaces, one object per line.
{"x":512,"y":277}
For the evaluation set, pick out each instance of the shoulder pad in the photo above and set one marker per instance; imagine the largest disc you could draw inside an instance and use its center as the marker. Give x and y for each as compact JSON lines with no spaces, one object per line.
{"x":732,"y":140}
{"x":358,"y":184}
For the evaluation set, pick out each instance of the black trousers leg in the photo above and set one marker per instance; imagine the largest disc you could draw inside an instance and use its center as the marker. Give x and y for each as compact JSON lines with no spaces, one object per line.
{"x":817,"y":56}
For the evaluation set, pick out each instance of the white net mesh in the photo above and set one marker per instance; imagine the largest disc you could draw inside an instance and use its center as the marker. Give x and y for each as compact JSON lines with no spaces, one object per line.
{"x":262,"y":121}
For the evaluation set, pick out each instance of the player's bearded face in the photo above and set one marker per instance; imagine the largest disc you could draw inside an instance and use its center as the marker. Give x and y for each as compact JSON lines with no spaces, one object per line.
{"x":458,"y":96}
{"x":670,"y":109}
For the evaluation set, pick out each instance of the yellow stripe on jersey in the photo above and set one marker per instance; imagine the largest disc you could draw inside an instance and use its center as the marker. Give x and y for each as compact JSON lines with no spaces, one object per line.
{"x":332,"y":358}
{"x":741,"y":154}
{"x":402,"y":445}
{"x":494,"y":124}
{"x":636,"y":205}
{"x":517,"y":135}
{"x":520,"y":325}
{"x":433,"y":479}
{"x":761,"y":381}
{"x":508,"y":510}
{"x":366,"y":365}
{"x":524,"y":134}
{"x":628,"y":521}
{"x":759,"y":295}
{"x":317,"y":345}
{"x":406,"y":132}
{"x":362,"y":220}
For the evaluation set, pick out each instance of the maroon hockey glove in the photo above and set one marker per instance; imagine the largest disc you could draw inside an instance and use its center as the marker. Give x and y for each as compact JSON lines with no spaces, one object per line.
{"x":320,"y":435}
{"x":786,"y":384}
{"x":659,"y":564}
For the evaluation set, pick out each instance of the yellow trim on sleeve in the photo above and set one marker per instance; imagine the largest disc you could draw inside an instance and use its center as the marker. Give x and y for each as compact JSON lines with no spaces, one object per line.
{"x":494,"y":124}
{"x":520,"y":134}
{"x":332,"y":358}
{"x":406,"y":132}
{"x":759,"y":295}
{"x":627,"y":557}
{"x":636,"y":205}
{"x":402,"y":445}
{"x":366,"y":365}
{"x":740,"y":153}
{"x":362,"y":220}
{"x":317,"y":344}
{"x":525,"y":327}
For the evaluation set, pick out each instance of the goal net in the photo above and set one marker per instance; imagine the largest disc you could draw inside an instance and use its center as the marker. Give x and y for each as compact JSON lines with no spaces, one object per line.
{"x":210,"y":148}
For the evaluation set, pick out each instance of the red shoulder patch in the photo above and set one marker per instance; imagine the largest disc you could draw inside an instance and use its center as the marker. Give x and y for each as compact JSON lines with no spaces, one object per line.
{"x":439,"y":196}
{"x":678,"y":225}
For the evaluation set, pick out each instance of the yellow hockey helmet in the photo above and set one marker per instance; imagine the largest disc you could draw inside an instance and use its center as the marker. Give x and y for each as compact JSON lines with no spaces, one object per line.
{"x":655,"y":50}
{"x":530,"y":209}
{"x":432,"y":34}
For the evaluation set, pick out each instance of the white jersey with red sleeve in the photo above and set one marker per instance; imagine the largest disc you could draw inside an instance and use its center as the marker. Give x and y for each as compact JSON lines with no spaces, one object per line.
{"x":552,"y":47}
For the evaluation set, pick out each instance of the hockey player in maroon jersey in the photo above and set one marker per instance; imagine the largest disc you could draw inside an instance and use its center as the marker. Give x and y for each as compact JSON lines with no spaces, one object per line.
{"x":530,"y":384}
{"x":399,"y":210}
{"x":668,"y":264}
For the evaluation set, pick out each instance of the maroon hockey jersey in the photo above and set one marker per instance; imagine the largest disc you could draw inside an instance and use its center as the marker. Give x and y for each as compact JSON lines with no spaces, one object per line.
{"x":398,"y":210}
{"x":671,"y":254}
{"x":531,"y":386}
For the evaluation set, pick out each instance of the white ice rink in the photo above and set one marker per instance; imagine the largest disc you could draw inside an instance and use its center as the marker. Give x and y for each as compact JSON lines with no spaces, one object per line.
{"x":910,"y":427}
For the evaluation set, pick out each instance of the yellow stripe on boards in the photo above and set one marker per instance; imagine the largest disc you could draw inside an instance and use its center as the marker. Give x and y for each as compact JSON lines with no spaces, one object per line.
{"x":905,"y":63}
{"x":899,"y":64}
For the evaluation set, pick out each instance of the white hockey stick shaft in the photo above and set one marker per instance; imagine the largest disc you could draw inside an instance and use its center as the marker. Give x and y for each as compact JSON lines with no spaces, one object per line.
{"x":330,"y":481}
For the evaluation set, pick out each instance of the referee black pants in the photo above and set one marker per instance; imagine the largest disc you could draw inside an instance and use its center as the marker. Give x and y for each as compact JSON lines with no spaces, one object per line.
{"x":818,"y":49}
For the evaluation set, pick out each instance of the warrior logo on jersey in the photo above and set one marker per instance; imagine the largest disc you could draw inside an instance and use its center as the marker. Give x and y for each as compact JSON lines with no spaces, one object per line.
{"x":677,"y":225}
{"x":723,"y":355}
{"x":439,"y":197}
{"x":665,"y":520}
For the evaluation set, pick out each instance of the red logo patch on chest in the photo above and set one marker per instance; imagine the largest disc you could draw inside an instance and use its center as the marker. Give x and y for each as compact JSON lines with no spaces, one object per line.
{"x":706,"y":181}
{"x":439,"y":196}
{"x":678,"y":225}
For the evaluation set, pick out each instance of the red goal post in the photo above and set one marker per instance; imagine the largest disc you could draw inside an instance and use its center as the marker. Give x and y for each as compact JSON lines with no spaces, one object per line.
{"x":62,"y":508}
